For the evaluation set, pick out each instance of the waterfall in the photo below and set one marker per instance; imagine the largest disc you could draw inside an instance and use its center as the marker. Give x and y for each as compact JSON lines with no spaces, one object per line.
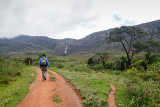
{"x":65,"y":51}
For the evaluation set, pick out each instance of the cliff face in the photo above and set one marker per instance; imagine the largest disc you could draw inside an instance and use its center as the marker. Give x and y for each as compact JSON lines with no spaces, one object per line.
{"x":90,"y":44}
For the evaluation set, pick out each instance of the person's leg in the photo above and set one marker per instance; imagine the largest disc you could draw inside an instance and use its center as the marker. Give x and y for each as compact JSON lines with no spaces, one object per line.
{"x":43,"y":78}
{"x":45,"y":74}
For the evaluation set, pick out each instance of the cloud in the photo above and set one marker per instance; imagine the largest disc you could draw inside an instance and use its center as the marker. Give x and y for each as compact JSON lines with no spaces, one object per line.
{"x":72,"y":18}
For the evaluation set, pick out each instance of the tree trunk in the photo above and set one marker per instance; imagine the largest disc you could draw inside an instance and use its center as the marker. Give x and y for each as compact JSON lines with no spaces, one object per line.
{"x":103,"y":64}
{"x":129,"y":61}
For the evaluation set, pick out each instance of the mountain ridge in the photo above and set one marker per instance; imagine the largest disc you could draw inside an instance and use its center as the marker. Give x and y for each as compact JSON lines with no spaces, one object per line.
{"x":92,"y":43}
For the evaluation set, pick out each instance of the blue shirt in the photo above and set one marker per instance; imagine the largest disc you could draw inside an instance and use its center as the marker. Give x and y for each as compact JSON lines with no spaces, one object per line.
{"x":46,"y":61}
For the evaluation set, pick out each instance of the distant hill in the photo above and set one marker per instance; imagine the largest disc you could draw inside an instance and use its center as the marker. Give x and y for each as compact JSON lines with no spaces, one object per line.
{"x":32,"y":45}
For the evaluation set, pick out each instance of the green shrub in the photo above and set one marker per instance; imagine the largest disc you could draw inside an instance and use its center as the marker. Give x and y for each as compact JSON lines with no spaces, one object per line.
{"x":138,"y":65}
{"x":110,"y":65}
{"x":60,"y":66}
{"x":57,"y":99}
{"x":11,"y":94}
{"x":98,"y":67}
{"x":28,"y":61}
{"x":121,"y":64}
{"x":139,"y":94}
{"x":132,"y":71}
{"x":94,"y":60}
{"x":5,"y":80}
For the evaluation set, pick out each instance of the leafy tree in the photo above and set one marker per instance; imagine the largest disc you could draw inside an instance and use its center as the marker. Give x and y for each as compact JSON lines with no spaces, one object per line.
{"x":41,"y":54}
{"x":129,"y":37}
{"x":94,"y":60}
{"x":28,"y":61}
{"x":149,"y":59}
{"x":99,"y":58}
{"x":122,"y":63}
{"x":103,"y":57}
{"x":153,"y":44}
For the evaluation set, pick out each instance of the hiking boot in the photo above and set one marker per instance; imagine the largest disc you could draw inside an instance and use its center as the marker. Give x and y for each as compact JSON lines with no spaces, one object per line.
{"x":44,"y":78}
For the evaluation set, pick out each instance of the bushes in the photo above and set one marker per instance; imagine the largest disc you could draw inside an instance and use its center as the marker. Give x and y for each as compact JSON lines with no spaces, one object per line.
{"x":9,"y":70}
{"x":12,"y":94}
{"x":110,"y":65}
{"x":99,"y":58}
{"x":14,"y":80}
{"x":143,"y":88}
{"x":139,"y":94}
{"x":28,"y":61}
{"x":59,"y":66}
{"x":142,"y":93}
{"x":138,"y":65}
{"x":149,"y":59}
{"x":152,"y":73}
{"x":93,"y":60}
{"x":120,"y":64}
{"x":5,"y":80}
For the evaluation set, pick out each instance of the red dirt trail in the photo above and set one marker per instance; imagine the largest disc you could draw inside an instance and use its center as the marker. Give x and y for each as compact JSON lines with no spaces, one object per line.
{"x":111,"y":97}
{"x":41,"y":93}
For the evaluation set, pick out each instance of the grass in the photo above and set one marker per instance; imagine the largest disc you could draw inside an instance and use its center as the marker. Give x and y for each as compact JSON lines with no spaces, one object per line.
{"x":119,"y":81}
{"x":50,"y":73}
{"x":93,"y":85}
{"x":54,"y":89}
{"x":12,"y":94}
{"x":93,"y":90}
{"x":56,"y":98}
{"x":52,"y":78}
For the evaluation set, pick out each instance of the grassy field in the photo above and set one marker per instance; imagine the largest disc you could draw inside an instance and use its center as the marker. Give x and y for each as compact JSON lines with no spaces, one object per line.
{"x":93,"y":85}
{"x":14,"y":86}
{"x":135,"y":87}
{"x":93,"y":90}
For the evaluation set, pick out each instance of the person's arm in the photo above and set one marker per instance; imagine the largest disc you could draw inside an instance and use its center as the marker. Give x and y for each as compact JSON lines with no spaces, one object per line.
{"x":40,"y":63}
{"x":47,"y":62}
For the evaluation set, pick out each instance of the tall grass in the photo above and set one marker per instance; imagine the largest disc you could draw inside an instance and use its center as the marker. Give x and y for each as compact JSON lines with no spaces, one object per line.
{"x":14,"y":82}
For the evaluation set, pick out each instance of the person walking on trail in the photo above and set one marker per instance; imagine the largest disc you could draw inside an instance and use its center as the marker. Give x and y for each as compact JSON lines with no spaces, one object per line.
{"x":43,"y":63}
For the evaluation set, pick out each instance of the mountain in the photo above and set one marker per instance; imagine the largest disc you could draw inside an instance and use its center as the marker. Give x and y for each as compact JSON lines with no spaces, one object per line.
{"x":32,"y":45}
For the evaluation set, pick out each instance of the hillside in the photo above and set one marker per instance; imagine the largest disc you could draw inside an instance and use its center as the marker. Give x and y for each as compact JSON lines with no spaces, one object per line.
{"x":32,"y":45}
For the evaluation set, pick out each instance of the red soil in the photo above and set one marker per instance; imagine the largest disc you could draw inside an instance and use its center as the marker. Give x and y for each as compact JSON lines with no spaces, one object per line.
{"x":111,"y":97}
{"x":41,"y":93}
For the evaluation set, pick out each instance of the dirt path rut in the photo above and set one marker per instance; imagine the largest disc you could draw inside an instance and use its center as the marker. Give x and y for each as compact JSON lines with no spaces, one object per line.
{"x":41,"y":93}
{"x":111,"y":97}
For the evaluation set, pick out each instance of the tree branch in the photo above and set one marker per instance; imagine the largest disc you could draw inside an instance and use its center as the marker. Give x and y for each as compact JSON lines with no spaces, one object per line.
{"x":124,"y":47}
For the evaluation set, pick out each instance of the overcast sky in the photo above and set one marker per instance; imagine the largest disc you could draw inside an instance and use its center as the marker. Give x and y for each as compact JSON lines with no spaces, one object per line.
{"x":72,"y":18}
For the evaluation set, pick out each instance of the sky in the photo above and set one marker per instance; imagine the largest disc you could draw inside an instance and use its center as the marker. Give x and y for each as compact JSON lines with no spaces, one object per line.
{"x":76,"y":19}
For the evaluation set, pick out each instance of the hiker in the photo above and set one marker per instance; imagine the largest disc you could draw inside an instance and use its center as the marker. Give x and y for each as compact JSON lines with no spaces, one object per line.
{"x":43,"y":63}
